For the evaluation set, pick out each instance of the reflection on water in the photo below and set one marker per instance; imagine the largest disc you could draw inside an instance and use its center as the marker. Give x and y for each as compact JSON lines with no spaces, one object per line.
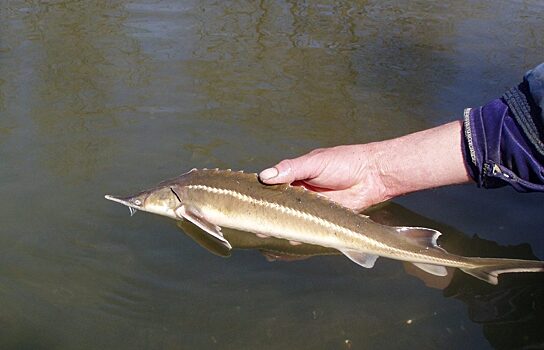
{"x":98,"y":97}
{"x":512,"y":313}
{"x":272,"y":248}
{"x":77,"y":82}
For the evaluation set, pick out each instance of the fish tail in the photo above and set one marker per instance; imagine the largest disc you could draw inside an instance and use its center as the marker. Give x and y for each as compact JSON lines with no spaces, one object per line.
{"x":489,"y":269}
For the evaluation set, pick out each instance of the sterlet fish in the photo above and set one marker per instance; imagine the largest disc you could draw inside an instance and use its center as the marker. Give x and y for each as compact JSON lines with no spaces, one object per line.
{"x":214,"y":198}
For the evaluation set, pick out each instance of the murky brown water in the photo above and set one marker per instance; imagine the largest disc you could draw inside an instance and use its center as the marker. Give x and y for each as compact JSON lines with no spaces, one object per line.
{"x":99,"y":97}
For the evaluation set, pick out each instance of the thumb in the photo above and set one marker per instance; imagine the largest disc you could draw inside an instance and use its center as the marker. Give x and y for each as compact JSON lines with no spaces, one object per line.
{"x":289,"y":170}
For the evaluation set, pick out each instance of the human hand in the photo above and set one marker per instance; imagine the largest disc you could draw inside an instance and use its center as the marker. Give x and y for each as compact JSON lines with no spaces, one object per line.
{"x":346,"y":174}
{"x":358,"y":176}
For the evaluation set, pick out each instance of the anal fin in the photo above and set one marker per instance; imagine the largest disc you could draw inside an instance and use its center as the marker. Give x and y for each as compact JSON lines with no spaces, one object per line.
{"x":198,"y":219}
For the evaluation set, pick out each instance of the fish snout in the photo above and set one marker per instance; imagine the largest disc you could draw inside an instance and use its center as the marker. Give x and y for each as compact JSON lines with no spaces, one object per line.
{"x":133,"y":203}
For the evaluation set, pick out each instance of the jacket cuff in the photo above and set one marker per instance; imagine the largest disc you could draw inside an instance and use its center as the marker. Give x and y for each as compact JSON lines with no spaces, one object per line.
{"x":498,"y":151}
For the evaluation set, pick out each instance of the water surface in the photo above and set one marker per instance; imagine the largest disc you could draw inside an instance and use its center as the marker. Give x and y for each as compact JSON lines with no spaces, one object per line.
{"x":110,"y":97}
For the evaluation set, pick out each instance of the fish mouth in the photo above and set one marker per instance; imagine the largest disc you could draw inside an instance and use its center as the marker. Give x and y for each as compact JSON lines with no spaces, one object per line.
{"x":131,"y":206}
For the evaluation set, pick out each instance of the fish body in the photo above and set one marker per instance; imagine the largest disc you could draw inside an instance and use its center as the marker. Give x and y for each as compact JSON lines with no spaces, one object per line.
{"x":212,"y":199}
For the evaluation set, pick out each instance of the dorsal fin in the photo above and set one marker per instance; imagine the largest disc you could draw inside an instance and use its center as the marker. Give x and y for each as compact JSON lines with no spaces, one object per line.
{"x":424,"y":237}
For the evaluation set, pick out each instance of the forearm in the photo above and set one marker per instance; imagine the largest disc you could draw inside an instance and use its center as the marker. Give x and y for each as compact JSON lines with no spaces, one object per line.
{"x":497,"y":144}
{"x":422,"y":160}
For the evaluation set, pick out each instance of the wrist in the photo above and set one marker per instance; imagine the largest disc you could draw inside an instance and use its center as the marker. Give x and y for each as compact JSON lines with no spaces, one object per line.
{"x":380,"y":171}
{"x":422,"y":160}
{"x":392,"y":173}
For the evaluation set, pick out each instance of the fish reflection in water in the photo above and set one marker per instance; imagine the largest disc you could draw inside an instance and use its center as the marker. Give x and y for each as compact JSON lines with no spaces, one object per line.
{"x":511,"y":313}
{"x":514,"y":307}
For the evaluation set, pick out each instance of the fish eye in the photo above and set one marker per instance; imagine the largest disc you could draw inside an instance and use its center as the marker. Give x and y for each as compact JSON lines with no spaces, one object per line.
{"x":137,"y":202}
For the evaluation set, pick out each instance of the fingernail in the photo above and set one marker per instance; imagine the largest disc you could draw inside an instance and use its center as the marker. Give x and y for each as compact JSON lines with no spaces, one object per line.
{"x":268,"y":173}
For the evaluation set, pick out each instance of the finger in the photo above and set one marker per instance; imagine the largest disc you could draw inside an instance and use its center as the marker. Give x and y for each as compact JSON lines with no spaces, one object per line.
{"x":290,"y":170}
{"x":307,"y":185}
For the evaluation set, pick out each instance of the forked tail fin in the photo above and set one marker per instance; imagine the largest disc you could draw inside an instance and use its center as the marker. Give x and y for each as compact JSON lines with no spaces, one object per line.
{"x":489,"y":269}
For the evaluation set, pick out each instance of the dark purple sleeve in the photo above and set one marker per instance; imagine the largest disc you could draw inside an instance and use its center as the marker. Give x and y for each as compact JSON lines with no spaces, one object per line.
{"x":503,"y":140}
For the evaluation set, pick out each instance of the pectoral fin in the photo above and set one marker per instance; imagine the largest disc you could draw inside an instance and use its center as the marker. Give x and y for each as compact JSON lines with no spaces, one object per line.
{"x":203,"y":239}
{"x":199,"y":220}
{"x":363,"y":259}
